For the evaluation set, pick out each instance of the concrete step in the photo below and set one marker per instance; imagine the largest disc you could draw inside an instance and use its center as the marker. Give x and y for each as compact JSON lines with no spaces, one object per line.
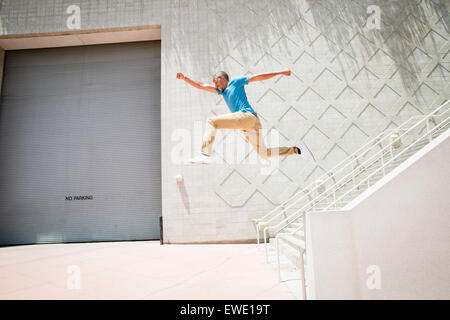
{"x":290,"y":254}
{"x":297,"y":224}
{"x":295,"y":242}
{"x":292,"y":228}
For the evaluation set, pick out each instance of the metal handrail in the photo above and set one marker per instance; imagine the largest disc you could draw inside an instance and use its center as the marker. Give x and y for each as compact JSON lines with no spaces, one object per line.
{"x":302,"y":263}
{"x":368,"y":177}
{"x":392,"y":159}
{"x":428,"y":133}
{"x":258,"y":220}
{"x":364,"y":163}
{"x":330,"y":174}
{"x":294,"y":216}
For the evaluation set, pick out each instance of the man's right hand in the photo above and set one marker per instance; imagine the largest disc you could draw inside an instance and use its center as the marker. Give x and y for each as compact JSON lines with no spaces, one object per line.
{"x":197,"y":84}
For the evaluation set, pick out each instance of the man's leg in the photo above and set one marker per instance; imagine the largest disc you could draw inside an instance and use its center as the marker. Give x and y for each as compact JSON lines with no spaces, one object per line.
{"x":236,"y":120}
{"x":256,"y":139}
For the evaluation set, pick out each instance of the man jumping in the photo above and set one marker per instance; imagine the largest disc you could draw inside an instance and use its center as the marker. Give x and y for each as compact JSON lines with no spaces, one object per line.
{"x":242,"y":117}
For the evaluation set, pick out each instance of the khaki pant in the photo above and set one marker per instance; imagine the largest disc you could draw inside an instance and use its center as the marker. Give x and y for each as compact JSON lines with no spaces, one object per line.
{"x":250,"y":126}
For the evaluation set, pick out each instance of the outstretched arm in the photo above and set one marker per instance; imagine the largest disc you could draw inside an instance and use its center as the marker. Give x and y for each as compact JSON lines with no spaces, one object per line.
{"x":197,"y":84}
{"x":265,"y":76}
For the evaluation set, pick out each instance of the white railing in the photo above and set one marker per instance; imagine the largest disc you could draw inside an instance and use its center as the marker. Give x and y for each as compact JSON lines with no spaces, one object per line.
{"x":336,"y":186}
{"x":302,"y":252}
{"x":261,"y":222}
{"x":328,"y":175}
{"x":368,"y":162}
{"x":428,"y":135}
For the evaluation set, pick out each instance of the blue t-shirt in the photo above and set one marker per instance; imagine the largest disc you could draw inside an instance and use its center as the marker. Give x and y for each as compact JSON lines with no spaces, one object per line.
{"x":235,"y":96}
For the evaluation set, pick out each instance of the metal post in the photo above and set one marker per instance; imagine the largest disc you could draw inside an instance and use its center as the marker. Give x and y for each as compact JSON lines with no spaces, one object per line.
{"x":303,"y":260}
{"x":161,"y":240}
{"x":353,"y":173}
{"x":265,"y":245}
{"x":257,"y":233}
{"x":302,"y":270}
{"x":334,"y":198}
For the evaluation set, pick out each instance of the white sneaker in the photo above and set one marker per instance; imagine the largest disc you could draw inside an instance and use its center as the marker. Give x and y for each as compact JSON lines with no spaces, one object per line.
{"x":200,"y":159}
{"x":305,"y":153}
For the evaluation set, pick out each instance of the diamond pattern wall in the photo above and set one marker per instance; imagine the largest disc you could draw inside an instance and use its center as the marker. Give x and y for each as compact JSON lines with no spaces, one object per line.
{"x":348,"y":84}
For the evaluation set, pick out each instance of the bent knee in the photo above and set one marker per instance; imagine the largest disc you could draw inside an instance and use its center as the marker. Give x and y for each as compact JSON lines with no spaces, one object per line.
{"x":263,"y":153}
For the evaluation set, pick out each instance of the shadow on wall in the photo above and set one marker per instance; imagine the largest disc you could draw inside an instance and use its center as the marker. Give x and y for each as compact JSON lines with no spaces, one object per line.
{"x":403,"y":26}
{"x":184,"y":196}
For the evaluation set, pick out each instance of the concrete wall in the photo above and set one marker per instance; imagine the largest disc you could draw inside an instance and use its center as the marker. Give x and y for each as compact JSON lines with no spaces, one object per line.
{"x":349,"y":82}
{"x":399,"y":234}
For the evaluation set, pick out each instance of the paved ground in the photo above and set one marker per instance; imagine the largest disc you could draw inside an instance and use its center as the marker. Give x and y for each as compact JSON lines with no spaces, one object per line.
{"x":138,"y":270}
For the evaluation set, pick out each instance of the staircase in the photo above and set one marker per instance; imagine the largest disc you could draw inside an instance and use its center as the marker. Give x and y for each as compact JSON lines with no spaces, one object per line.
{"x":282,"y":229}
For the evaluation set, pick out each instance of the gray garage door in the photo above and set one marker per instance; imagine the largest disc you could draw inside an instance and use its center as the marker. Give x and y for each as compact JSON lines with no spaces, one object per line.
{"x":80,"y":144}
